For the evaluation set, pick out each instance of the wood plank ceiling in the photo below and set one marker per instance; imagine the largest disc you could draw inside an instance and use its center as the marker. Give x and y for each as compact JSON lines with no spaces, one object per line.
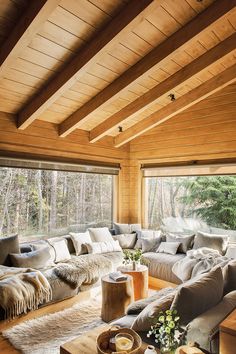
{"x":109,"y":65}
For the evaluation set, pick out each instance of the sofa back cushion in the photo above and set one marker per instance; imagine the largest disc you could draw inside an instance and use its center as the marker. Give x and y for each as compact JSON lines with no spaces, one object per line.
{"x":126,"y":228}
{"x":198,"y":295}
{"x":147,"y":317}
{"x":146,"y":235}
{"x":100,"y":234}
{"x":217,"y":242}
{"x":186,"y":242}
{"x":34,"y":259}
{"x":8,"y":245}
{"x":150,"y":245}
{"x":127,"y":241}
{"x":62,"y":253}
{"x":79,"y":240}
{"x":229,"y":275}
{"x":41,"y":244}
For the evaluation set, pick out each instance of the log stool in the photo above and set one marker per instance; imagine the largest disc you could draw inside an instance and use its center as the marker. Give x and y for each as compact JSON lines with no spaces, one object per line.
{"x":116,"y":296}
{"x":140,"y":278}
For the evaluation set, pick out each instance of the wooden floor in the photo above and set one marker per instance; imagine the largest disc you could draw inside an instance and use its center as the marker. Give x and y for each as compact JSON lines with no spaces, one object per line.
{"x":7,"y":348}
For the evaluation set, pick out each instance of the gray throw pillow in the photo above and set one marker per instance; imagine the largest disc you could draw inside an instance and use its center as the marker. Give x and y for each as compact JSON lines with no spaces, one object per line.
{"x":126,"y":240}
{"x":41,"y":244}
{"x":146,"y":234}
{"x":198,"y":295}
{"x":126,"y":228}
{"x":8,"y":245}
{"x":150,"y":245}
{"x":217,"y":242}
{"x":186,"y":242}
{"x":168,"y":247}
{"x":147,"y":317}
{"x":137,"y":306}
{"x":34,"y":259}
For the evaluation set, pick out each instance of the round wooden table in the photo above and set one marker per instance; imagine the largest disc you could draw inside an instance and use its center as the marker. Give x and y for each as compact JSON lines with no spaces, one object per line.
{"x":116,"y":296}
{"x":140,"y":278}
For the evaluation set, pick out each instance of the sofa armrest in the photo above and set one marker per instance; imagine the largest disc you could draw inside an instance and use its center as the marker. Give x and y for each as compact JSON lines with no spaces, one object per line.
{"x":204,"y":328}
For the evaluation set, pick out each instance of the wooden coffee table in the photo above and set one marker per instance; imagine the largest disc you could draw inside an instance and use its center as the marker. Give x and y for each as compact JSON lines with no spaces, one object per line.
{"x":140,"y":278}
{"x":86,"y":344}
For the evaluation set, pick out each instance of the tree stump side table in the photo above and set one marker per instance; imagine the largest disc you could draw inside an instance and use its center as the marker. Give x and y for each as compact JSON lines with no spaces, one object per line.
{"x":116,"y":296}
{"x":140,"y":278}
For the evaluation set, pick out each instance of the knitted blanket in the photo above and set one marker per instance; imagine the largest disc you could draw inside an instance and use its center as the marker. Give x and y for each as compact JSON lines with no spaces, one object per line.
{"x":198,"y":261}
{"x":21,"y":290}
{"x":85,"y":269}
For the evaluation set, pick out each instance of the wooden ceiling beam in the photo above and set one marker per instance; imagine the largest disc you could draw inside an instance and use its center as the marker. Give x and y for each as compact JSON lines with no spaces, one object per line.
{"x":156,"y":56}
{"x":28,"y":25}
{"x":163,"y":89}
{"x":201,"y":92}
{"x":88,"y":55}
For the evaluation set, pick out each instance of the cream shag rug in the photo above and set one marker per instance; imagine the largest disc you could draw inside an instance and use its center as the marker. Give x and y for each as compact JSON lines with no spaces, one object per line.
{"x":44,"y":335}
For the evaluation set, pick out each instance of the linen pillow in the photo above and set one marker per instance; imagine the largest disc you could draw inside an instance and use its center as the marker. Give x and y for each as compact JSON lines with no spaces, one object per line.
{"x":168,"y":247}
{"x":198,"y":295}
{"x":100,"y":234}
{"x":79,"y":240}
{"x":186,"y":242}
{"x":126,"y":228}
{"x":41,"y":244}
{"x":229,"y":275}
{"x":61,"y":250}
{"x":150,"y":245}
{"x":217,"y":242}
{"x":103,"y":247}
{"x":147,"y":317}
{"x":8,"y":245}
{"x":34,"y":259}
{"x":146,"y":234}
{"x":126,"y":240}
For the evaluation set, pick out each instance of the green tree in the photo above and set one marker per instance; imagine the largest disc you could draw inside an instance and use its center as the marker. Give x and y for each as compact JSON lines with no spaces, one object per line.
{"x":213,"y":198}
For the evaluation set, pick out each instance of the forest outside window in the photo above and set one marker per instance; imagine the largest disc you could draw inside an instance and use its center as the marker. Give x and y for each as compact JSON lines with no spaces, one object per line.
{"x":190,"y":203}
{"x":36,"y":203}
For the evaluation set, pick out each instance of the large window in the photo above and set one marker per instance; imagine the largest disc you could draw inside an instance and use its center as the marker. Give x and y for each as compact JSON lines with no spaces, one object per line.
{"x":40,"y":202}
{"x":193,"y":202}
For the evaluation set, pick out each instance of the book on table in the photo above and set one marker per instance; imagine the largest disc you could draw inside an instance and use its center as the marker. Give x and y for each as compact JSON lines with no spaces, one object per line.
{"x":118,"y":276}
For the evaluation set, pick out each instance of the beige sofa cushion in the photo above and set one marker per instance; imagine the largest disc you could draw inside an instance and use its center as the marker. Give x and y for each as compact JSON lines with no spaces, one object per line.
{"x":79,"y":240}
{"x":35,"y":259}
{"x":127,"y":241}
{"x":198,"y":295}
{"x":204,"y":328}
{"x":147,"y":316}
{"x":217,"y":242}
{"x":100,"y":234}
{"x":168,"y":247}
{"x":186,"y":242}
{"x":8,"y":245}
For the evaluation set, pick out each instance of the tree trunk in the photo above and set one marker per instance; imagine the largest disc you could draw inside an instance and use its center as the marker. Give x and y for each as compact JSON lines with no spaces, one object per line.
{"x":5,"y":213}
{"x":53,"y":201}
{"x":40,"y":200}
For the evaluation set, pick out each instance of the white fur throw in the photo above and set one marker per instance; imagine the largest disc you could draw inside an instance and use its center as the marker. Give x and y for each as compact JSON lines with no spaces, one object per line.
{"x":103,"y":247}
{"x":22,"y":289}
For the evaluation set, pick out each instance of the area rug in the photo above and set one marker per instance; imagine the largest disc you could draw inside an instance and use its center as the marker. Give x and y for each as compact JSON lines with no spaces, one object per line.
{"x":44,"y":335}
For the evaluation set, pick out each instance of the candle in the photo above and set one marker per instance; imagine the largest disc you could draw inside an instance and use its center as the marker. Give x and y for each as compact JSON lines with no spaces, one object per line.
{"x":124,"y":342}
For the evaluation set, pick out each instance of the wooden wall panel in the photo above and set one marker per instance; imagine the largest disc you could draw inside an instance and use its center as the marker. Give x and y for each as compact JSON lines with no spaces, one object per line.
{"x":206,"y":131}
{"x":41,"y":139}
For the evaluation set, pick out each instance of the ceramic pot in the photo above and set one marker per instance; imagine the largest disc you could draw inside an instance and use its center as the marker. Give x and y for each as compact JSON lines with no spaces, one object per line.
{"x":150,"y":350}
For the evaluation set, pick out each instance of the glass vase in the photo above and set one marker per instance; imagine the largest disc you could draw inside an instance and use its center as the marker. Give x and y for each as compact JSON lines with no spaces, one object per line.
{"x":167,"y":350}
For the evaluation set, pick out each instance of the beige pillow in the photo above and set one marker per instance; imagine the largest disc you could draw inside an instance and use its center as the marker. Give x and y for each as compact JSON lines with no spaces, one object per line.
{"x":35,"y":259}
{"x":61,"y":251}
{"x":147,"y":317}
{"x":103,"y":247}
{"x":217,"y":242}
{"x":40,"y":244}
{"x":100,"y":234}
{"x":198,"y":295}
{"x":79,"y":240}
{"x":126,"y":240}
{"x":168,"y":247}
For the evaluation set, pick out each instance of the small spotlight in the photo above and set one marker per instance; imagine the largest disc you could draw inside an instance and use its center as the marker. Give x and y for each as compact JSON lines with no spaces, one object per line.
{"x":120,"y":129}
{"x":172,"y":96}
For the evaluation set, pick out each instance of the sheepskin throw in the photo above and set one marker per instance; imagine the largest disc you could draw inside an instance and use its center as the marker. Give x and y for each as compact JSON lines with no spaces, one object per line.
{"x":85,"y":269}
{"x":22,"y":289}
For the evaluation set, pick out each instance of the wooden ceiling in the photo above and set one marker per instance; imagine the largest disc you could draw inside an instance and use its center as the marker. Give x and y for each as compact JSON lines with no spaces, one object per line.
{"x":98,"y":65}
